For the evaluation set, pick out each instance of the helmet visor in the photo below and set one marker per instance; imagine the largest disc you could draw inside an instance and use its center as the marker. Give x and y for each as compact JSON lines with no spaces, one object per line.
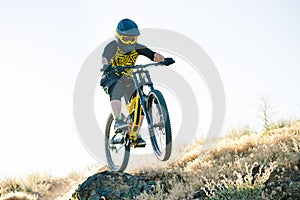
{"x":128,"y":39}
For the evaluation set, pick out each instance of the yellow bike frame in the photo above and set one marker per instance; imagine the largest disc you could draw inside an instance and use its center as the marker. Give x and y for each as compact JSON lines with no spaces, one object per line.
{"x":135,"y":105}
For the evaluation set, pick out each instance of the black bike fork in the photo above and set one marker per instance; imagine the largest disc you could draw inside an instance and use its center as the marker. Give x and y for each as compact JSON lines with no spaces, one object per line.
{"x":139,"y":91}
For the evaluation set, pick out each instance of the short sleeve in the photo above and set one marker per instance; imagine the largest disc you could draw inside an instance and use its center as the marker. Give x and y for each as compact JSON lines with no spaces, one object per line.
{"x":110,"y":50}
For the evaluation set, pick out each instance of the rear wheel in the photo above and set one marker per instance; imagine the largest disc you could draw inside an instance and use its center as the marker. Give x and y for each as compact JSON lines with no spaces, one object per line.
{"x":117,"y":155}
{"x":160,"y":131}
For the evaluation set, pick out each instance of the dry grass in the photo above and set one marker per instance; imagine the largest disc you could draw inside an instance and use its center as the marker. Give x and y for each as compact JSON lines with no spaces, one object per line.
{"x":35,"y":185}
{"x":40,"y":187}
{"x":19,"y":196}
{"x":244,"y":165}
{"x":240,"y":166}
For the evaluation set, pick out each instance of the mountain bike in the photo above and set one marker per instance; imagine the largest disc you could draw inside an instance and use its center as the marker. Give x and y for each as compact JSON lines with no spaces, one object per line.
{"x":153,"y":107}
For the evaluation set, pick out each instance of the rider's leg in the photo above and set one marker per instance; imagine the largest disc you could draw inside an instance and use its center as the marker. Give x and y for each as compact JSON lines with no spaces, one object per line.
{"x":116,"y":106}
{"x":116,"y":94}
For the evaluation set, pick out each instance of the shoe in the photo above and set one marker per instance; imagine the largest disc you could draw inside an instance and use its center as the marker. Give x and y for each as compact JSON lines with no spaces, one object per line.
{"x":120,"y":124}
{"x":139,"y":141}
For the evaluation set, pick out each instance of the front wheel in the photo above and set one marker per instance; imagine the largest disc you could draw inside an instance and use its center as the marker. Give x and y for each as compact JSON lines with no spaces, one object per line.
{"x":117,"y":155}
{"x":160,"y":129}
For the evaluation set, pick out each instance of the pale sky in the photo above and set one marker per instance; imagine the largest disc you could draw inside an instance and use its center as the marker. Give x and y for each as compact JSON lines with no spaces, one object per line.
{"x":255,"y":46}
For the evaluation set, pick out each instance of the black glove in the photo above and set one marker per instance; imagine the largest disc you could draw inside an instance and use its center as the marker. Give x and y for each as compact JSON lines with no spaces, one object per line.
{"x":119,"y":69}
{"x":106,"y":68}
{"x":168,"y":61}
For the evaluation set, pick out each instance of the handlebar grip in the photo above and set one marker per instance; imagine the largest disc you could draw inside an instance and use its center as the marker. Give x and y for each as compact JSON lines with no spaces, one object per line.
{"x":168,"y":61}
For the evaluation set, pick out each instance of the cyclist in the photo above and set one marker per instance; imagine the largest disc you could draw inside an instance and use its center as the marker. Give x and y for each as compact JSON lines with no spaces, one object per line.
{"x":124,"y":51}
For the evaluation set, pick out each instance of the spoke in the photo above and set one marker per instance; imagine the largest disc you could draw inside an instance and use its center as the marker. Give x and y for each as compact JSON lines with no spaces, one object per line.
{"x":158,"y":122}
{"x":163,"y":140}
{"x":161,"y":144}
{"x":157,"y":117}
{"x":117,"y":151}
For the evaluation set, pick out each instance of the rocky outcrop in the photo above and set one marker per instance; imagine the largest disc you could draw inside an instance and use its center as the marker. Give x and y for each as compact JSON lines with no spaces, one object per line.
{"x":114,"y":185}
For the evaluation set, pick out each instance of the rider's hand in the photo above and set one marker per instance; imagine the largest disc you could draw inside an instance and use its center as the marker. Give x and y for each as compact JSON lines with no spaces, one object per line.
{"x":106,"y":68}
{"x":119,"y":70}
{"x":168,"y":61}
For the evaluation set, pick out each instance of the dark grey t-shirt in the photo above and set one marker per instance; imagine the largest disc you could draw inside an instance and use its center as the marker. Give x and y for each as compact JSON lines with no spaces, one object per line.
{"x":117,"y":57}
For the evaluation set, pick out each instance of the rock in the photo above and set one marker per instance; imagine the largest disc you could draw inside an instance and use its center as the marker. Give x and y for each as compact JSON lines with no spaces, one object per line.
{"x":199,"y":195}
{"x":114,"y":185}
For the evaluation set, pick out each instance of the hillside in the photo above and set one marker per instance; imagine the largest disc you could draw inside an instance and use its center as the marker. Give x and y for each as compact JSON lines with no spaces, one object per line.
{"x":243,"y":165}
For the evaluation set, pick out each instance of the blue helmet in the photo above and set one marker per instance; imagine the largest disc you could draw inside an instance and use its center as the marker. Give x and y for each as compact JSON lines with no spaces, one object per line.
{"x":127,"y":27}
{"x":127,"y":33}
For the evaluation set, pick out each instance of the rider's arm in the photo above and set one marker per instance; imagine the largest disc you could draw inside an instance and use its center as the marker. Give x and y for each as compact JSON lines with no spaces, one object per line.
{"x":154,"y":56}
{"x":143,"y":50}
{"x":104,"y":63}
{"x":158,"y":57}
{"x":108,"y":53}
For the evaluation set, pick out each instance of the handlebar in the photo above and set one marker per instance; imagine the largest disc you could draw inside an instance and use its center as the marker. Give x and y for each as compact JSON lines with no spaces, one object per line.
{"x":116,"y":68}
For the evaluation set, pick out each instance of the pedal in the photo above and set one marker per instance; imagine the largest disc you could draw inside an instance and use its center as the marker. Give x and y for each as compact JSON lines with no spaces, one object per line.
{"x":118,"y":130}
{"x":117,"y":141}
{"x":139,"y":145}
